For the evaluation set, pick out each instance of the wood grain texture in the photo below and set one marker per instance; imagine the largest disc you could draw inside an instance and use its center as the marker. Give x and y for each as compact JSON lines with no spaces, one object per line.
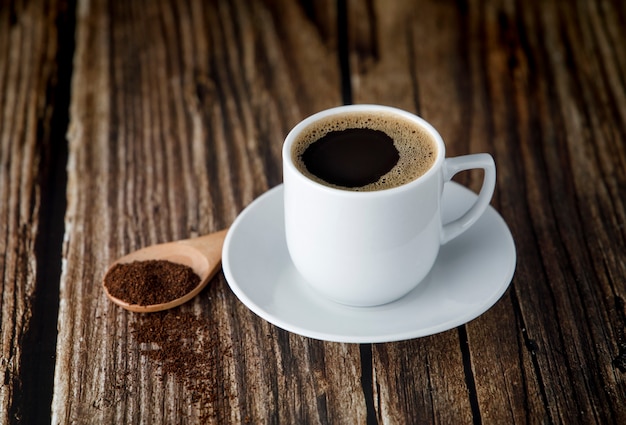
{"x":541,"y":87}
{"x":178,"y":115}
{"x":28,"y":49}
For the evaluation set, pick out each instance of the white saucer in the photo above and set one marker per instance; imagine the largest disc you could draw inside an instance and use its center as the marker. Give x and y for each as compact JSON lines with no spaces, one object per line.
{"x":471,"y":273}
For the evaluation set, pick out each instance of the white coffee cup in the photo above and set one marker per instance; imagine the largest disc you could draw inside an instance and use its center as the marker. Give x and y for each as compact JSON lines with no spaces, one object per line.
{"x":370,"y":248}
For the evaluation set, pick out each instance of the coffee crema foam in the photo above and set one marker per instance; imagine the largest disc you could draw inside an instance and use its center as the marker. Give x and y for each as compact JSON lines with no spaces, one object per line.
{"x":416,"y":147}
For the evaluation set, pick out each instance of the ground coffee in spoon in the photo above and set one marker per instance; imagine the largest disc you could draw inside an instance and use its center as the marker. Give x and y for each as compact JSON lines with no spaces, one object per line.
{"x":150,"y":282}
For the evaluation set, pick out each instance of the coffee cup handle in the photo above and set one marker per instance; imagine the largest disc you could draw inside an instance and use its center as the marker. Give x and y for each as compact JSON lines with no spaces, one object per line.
{"x":467,"y":162}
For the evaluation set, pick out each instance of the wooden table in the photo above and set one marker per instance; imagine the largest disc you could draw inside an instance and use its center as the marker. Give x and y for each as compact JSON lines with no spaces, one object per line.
{"x":128,"y":123}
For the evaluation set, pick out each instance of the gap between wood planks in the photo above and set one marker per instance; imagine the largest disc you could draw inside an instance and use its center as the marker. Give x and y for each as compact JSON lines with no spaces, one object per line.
{"x":365,"y":350}
{"x":34,"y":388}
{"x":367,"y":379}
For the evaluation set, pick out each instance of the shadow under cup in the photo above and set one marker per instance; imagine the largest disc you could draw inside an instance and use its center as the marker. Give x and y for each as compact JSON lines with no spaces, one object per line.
{"x":371,"y":243}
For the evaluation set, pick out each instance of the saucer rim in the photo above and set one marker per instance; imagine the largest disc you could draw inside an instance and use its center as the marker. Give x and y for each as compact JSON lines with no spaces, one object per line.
{"x":372,"y":338}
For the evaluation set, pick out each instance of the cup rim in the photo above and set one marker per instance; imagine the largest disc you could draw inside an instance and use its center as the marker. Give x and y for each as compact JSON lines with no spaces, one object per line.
{"x":302,"y":125}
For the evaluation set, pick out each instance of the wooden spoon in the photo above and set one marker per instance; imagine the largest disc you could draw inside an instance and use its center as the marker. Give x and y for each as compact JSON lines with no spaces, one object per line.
{"x":202,"y":254}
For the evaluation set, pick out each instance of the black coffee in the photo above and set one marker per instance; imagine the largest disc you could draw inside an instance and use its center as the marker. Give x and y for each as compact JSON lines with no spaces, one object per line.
{"x":364,"y":151}
{"x":353,"y":157}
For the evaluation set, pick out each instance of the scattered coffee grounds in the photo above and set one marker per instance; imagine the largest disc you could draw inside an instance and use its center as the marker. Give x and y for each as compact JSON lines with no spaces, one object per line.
{"x":186,"y":348}
{"x":150,"y":282}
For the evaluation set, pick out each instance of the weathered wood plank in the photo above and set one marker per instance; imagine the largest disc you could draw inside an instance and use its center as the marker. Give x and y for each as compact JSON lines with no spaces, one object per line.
{"x":540,"y":87}
{"x":178,"y":113}
{"x":28,"y":45}
{"x":400,"y":56}
{"x":571,"y":345}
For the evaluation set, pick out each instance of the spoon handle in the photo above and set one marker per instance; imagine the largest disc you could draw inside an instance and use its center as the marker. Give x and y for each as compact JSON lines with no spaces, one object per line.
{"x":210,"y":246}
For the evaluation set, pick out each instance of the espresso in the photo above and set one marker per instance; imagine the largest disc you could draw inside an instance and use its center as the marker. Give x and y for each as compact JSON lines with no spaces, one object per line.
{"x":353,"y":157}
{"x":364,"y":151}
